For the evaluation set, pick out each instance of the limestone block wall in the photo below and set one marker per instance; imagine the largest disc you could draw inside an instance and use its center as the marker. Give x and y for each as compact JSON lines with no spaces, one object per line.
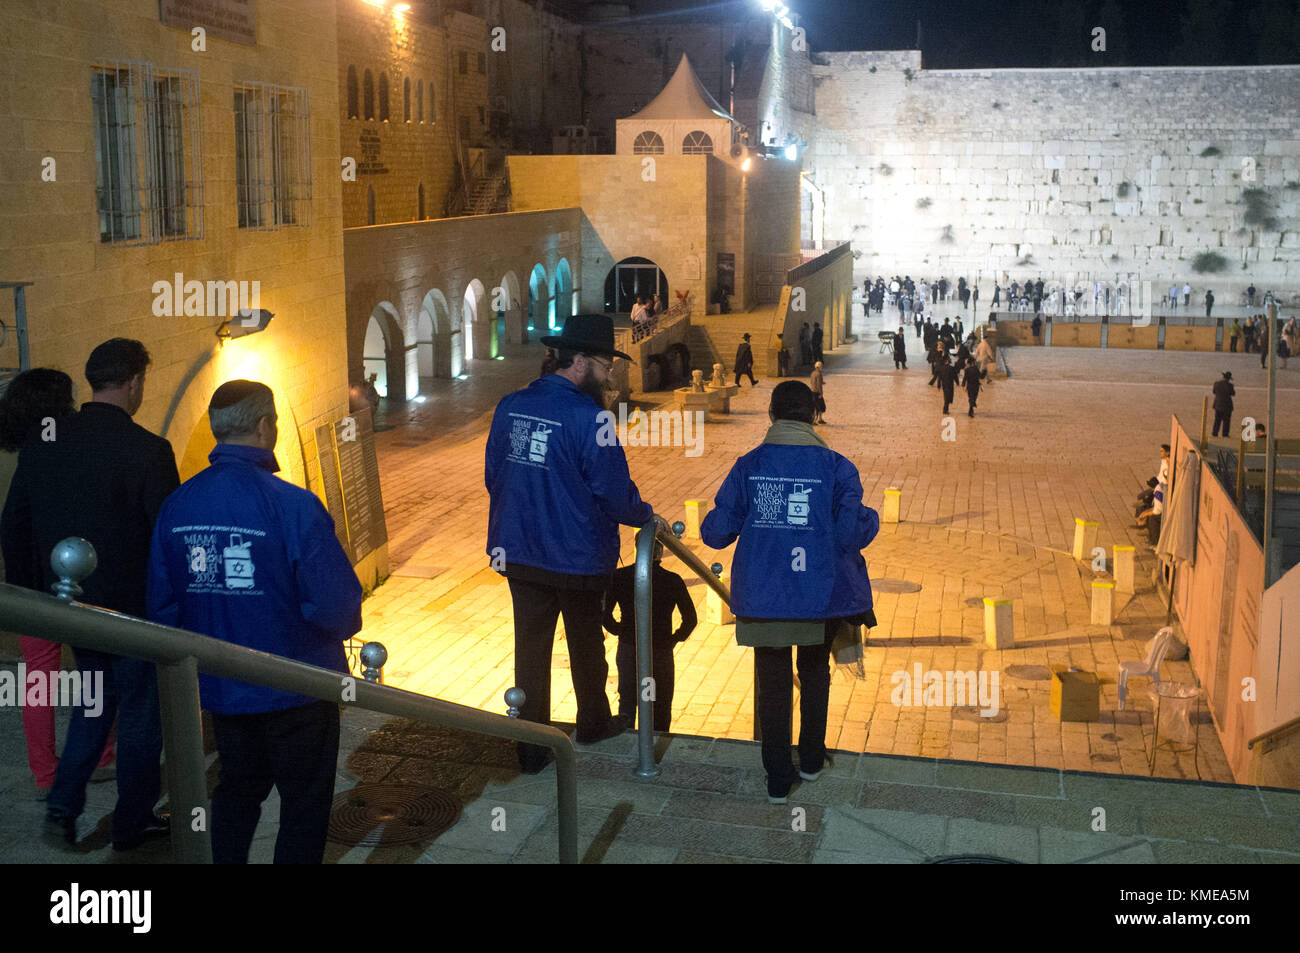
{"x":413,"y":277}
{"x":87,"y":290}
{"x":1105,"y":173}
{"x":399,"y":157}
{"x":629,"y":209}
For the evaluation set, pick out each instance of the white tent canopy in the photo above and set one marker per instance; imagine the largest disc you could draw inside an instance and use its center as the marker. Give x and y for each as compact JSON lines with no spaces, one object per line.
{"x":682,"y":110}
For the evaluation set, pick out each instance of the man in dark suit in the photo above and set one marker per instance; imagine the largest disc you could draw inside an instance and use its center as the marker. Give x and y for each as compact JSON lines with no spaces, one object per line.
{"x":1223,"y":393}
{"x":745,"y":362}
{"x":104,"y":478}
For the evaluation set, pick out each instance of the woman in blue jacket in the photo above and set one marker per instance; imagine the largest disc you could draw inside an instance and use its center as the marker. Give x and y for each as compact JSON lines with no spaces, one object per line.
{"x":798,"y":573}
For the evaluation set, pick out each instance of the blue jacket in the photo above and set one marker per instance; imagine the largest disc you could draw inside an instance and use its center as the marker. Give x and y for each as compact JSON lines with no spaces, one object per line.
{"x":243,"y":556}
{"x":798,"y":513}
{"x":558,"y":482}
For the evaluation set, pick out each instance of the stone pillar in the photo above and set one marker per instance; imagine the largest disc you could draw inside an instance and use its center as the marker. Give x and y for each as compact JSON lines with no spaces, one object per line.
{"x":893,"y":504}
{"x":695,"y":513}
{"x":998,"y":632}
{"x":1124,"y":556}
{"x":1085,"y":538}
{"x":1103,"y":602}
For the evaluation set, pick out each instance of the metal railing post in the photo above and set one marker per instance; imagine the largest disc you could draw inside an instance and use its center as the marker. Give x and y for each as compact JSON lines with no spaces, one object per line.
{"x":645,"y":742}
{"x":566,"y":785}
{"x":187,"y":774}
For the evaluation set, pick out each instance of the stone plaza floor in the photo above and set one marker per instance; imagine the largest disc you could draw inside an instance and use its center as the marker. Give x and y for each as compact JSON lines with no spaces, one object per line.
{"x":1073,"y":433}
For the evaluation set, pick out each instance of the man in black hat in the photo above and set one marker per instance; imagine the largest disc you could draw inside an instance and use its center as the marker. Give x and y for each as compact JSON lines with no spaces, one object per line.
{"x":745,"y":361}
{"x":1223,"y":393}
{"x":559,"y":487}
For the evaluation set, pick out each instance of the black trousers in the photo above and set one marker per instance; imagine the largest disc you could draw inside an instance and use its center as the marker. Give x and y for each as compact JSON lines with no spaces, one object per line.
{"x":295,"y":751}
{"x":775,"y":694}
{"x":749,"y":371}
{"x":947,"y":395}
{"x":1232,"y":343}
{"x":664,"y":672}
{"x":537,"y":608}
{"x":1224,"y":418}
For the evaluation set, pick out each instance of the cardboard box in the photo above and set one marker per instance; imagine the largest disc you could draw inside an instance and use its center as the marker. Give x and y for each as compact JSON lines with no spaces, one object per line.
{"x":1076,"y":696}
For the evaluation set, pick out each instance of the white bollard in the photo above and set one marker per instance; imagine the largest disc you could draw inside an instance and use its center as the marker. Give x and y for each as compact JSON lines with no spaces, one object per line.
{"x":1124,"y":568}
{"x":998,"y":632}
{"x":1103,"y":603}
{"x":1085,"y":538}
{"x":893,"y":506}
{"x":695,"y":513}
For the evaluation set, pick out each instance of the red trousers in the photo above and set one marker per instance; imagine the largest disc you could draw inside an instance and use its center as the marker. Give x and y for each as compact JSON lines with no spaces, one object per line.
{"x":38,"y":721}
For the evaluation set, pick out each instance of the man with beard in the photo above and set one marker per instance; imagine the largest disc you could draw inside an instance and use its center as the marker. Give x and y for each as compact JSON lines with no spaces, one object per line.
{"x":559,"y":487}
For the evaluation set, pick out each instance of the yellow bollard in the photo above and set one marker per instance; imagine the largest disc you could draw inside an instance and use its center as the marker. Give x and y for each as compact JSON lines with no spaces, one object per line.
{"x":1124,"y":556}
{"x":998,"y":633}
{"x":1085,"y":538}
{"x":715,"y":610}
{"x":893,"y":505}
{"x":695,"y":513}
{"x":1103,"y":602}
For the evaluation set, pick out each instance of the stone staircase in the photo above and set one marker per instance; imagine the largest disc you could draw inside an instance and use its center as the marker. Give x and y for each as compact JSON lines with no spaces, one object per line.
{"x":715,"y":337}
{"x":486,"y":196}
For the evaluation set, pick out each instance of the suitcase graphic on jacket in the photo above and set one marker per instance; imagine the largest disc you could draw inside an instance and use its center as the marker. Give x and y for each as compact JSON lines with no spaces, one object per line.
{"x":798,"y":506}
{"x":537,"y":446}
{"x":238,"y":560}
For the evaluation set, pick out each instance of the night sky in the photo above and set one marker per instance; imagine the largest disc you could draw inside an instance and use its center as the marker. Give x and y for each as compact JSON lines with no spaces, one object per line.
{"x":962,"y":34}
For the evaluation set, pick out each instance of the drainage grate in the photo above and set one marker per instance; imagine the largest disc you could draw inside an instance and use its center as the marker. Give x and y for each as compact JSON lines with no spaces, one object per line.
{"x":384,"y":815}
{"x":971,"y":859}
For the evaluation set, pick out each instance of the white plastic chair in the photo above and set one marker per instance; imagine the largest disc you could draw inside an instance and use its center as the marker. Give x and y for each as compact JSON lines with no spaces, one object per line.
{"x":1148,"y":667}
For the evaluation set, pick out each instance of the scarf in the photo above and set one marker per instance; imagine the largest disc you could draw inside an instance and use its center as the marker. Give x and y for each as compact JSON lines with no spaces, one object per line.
{"x":794,"y":433}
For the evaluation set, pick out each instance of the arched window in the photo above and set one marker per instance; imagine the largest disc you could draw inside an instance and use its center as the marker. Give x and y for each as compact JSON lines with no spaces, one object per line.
{"x":406,"y":99}
{"x":697,"y":143}
{"x":352,"y":92}
{"x":383,"y":97}
{"x":419,"y":100}
{"x":368,"y":94}
{"x":648,"y":143}
{"x":433,"y":104}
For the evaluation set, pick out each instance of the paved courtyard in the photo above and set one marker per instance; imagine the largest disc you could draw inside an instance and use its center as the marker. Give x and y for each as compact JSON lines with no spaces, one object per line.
{"x":1073,"y":433}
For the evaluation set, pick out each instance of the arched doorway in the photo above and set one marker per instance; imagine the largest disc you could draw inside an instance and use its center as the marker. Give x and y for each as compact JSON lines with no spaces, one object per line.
{"x":434,"y":353}
{"x":477,"y":328}
{"x":538,"y":299}
{"x":563,"y":293}
{"x":510,"y":305}
{"x":382,"y":351}
{"x":630,"y":279}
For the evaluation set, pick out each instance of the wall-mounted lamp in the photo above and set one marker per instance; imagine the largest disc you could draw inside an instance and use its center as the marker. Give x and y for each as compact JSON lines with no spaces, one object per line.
{"x":246,"y":321}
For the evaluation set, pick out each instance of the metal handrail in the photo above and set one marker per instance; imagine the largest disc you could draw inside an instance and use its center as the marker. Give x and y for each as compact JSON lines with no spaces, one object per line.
{"x":180,"y":655}
{"x":658,"y":529}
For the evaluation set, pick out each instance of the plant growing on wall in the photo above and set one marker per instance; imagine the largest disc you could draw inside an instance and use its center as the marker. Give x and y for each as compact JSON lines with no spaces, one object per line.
{"x":1027,"y":260}
{"x":1259,"y":209}
{"x":885,"y":169}
{"x":908,"y":74}
{"x":1209,"y":262}
{"x":947,"y":235}
{"x":872,"y":70}
{"x":1210,"y":151}
{"x":923,"y":202}
{"x":1121,"y":190}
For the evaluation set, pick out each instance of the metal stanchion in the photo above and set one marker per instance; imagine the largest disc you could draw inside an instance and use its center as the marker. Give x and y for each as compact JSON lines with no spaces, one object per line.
{"x":645,"y":542}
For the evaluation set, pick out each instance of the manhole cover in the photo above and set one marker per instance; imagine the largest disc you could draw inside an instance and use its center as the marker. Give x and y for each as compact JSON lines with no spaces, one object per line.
{"x":1032,"y":673}
{"x":971,"y":859}
{"x":385,"y":815}
{"x":894,"y":585}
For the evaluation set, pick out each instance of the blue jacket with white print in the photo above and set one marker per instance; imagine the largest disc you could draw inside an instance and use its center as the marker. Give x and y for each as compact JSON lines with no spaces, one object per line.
{"x":798,"y":513}
{"x":558,"y":482}
{"x":243,"y":556}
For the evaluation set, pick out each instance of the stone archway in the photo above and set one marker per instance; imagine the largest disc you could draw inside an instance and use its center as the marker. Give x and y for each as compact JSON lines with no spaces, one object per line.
{"x":539,"y":296}
{"x":476,"y":331}
{"x":433,"y":354}
{"x":384,"y":351}
{"x":512,"y":307}
{"x":632,"y":278}
{"x":563,"y":293}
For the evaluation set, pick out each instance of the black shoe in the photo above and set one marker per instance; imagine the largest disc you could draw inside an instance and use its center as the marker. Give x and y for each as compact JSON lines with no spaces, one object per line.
{"x":59,"y":831}
{"x":156,"y":828}
{"x":612,"y":729}
{"x":536,"y":765}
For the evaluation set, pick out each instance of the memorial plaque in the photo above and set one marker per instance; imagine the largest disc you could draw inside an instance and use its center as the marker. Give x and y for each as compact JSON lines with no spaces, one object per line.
{"x":233,"y":20}
{"x":354,"y":439}
{"x":329,"y":474}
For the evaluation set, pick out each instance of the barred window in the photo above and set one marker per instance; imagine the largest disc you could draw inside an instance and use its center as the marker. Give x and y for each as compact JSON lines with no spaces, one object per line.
{"x":697,"y":143}
{"x":148,"y":153}
{"x":272,"y":155}
{"x":648,"y":143}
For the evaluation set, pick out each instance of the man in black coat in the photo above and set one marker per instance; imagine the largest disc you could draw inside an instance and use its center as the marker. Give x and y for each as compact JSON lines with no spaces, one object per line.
{"x":1223,"y":393}
{"x":104,"y":478}
{"x":745,"y":362}
{"x":816,"y":342}
{"x":900,"y":349}
{"x":947,"y":375}
{"x":971,"y":381}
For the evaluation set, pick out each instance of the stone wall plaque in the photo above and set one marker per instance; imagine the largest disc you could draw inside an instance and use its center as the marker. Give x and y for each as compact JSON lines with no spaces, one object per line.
{"x":350,"y":478}
{"x":233,"y":20}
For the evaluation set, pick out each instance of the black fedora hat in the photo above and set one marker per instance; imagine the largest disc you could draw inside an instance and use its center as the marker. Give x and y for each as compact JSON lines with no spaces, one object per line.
{"x":587,"y":334}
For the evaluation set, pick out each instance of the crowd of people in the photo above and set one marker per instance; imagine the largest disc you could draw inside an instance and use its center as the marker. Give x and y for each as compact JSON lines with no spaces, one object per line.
{"x":234,"y":553}
{"x":1254,"y":337}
